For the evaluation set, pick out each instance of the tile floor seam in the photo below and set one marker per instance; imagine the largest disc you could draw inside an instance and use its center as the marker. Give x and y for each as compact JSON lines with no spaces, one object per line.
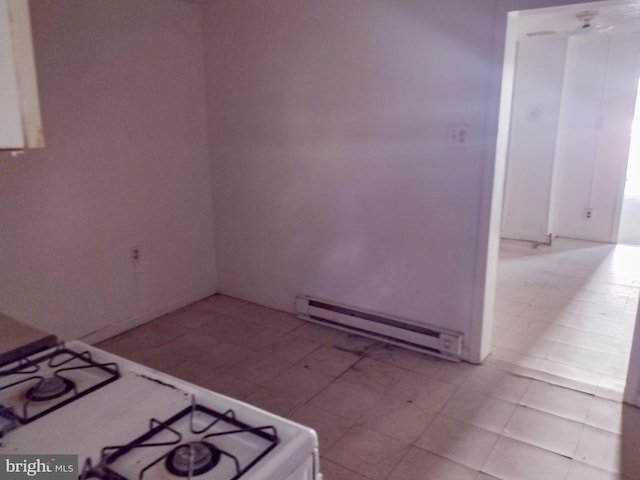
{"x":570,"y":457}
{"x":406,"y":454}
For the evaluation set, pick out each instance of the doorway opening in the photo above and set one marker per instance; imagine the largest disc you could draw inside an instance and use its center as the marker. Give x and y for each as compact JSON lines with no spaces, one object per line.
{"x":629,"y":233}
{"x":566,"y":311}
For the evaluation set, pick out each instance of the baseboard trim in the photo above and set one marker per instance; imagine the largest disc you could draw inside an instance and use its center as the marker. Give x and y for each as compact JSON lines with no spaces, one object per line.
{"x":122,"y":326}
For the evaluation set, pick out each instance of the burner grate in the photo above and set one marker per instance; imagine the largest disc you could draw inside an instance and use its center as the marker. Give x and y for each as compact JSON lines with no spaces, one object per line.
{"x":8,"y":420}
{"x":194,"y":442}
{"x":35,"y":386}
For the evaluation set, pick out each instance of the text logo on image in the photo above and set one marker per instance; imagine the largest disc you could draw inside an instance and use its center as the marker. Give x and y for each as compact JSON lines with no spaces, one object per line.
{"x":51,"y":467}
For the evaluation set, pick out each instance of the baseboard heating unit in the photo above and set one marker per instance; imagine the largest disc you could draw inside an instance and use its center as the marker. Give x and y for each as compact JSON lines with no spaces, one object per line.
{"x":429,"y":339}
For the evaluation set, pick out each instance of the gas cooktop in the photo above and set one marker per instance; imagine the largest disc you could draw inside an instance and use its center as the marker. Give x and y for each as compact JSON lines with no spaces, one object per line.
{"x":38,"y":384}
{"x":127,"y":421}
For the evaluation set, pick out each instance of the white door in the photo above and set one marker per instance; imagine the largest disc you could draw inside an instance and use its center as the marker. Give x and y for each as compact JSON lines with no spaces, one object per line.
{"x":536,"y":101}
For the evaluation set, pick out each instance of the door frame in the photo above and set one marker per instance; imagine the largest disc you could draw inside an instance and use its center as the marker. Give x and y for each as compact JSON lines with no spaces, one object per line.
{"x":498,"y":116}
{"x":621,"y":189}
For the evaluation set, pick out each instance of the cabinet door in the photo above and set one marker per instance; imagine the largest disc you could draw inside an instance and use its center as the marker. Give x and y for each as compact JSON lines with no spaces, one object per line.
{"x":11,"y":135}
{"x":20,"y":123}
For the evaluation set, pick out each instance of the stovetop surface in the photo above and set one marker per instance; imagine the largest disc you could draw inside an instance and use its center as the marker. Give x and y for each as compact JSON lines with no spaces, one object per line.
{"x":40,"y":383}
{"x":197,"y":441}
{"x":124,"y":409}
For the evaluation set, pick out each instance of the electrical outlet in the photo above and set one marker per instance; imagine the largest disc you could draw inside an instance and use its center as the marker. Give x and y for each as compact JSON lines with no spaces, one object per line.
{"x":588,"y":213}
{"x":135,"y":254}
{"x":458,"y":135}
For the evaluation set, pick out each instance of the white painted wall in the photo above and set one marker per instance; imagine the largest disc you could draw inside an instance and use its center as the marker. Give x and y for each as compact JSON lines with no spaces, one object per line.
{"x":126,"y":163}
{"x":538,"y":82}
{"x":333,"y":175}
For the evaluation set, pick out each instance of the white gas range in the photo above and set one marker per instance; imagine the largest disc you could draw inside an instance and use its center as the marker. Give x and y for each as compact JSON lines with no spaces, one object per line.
{"x":127,"y":421}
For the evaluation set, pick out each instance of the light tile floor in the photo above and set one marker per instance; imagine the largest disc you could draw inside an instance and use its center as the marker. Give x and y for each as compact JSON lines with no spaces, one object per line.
{"x":534,"y":410}
{"x":566,"y":313}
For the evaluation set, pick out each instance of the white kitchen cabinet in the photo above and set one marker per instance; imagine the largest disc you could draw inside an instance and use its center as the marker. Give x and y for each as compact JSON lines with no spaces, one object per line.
{"x":20,"y":121}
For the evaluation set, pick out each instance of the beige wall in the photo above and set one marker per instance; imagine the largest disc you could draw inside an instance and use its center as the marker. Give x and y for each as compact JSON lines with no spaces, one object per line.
{"x":126,"y":163}
{"x":336,"y":179}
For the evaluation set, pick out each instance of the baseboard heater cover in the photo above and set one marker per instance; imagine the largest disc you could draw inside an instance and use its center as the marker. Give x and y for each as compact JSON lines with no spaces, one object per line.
{"x":429,"y":339}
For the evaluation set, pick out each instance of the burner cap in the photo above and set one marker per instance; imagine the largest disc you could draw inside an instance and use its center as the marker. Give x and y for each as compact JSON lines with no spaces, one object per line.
{"x":197,"y":457}
{"x":49,"y":388}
